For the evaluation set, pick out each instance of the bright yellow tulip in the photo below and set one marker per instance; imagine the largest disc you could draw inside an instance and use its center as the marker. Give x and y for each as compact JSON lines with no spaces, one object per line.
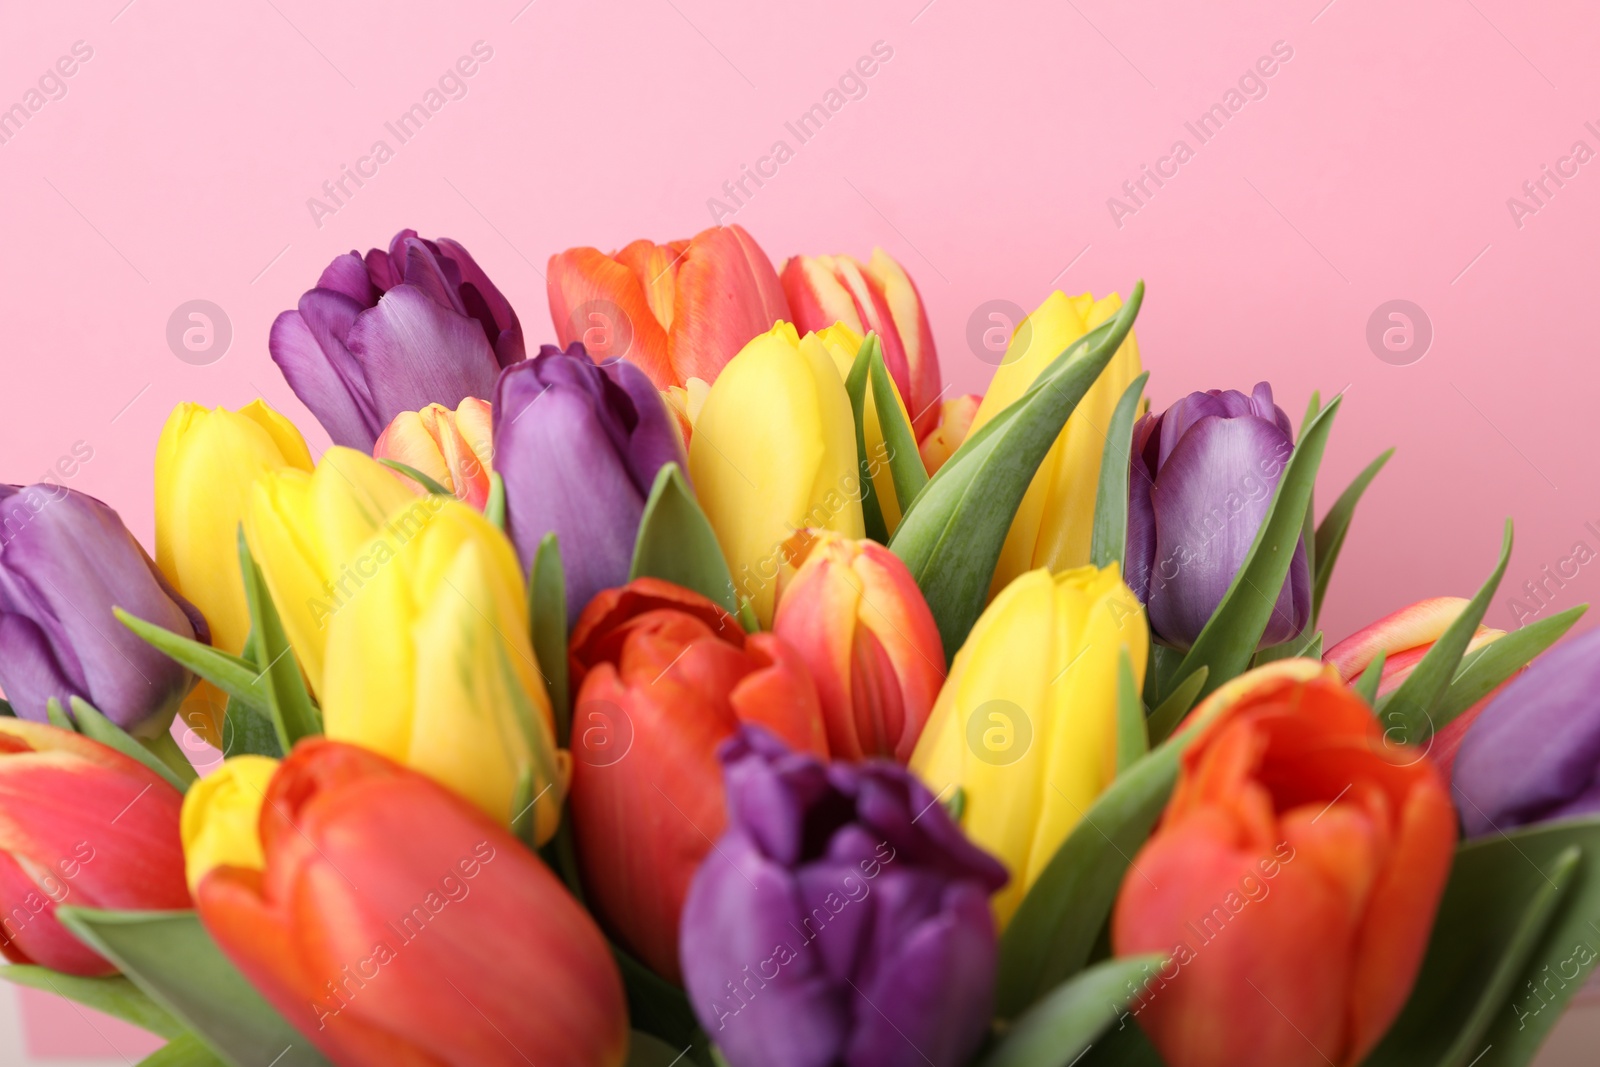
{"x":431,"y":664}
{"x":206,"y":463}
{"x":304,"y":531}
{"x":1026,"y":723}
{"x":774,"y":451}
{"x":221,"y":815}
{"x":842,"y":344}
{"x":1055,"y":524}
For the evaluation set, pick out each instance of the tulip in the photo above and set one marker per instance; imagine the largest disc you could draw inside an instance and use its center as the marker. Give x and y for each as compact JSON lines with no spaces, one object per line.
{"x":1534,"y":753}
{"x":1317,"y":849}
{"x":950,"y":431}
{"x":662,"y":676}
{"x":206,"y":463}
{"x":1054,"y":525}
{"x":856,"y":617}
{"x":1026,"y":724}
{"x":451,"y":447}
{"x":842,"y":920}
{"x":1405,"y":636}
{"x":392,"y":923}
{"x":83,"y":825}
{"x":580,"y":462}
{"x":419,"y":324}
{"x":1203,"y":474}
{"x":65,"y":561}
{"x":305,"y":530}
{"x":878,"y":296}
{"x":774,"y":451}
{"x":220,"y":815}
{"x":677,"y":311}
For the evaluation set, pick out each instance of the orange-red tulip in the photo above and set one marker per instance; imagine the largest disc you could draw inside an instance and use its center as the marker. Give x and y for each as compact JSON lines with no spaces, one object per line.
{"x":451,"y":447}
{"x":1292,"y":882}
{"x":663,"y":676}
{"x":679,"y":310}
{"x":396,"y":924}
{"x":949,"y":431}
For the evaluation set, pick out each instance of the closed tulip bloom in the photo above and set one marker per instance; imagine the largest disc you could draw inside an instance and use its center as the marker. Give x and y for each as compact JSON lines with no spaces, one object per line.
{"x":678,"y":311}
{"x":774,"y":451}
{"x":207,"y":461}
{"x":453,"y":448}
{"x":1203,"y":474}
{"x":220,"y":815}
{"x":395,"y":331}
{"x":856,"y":617}
{"x":1026,"y":722}
{"x":66,"y":561}
{"x":82,"y":825}
{"x":662,"y":676}
{"x":843,"y":919}
{"x":879,"y":296}
{"x":305,"y":530}
{"x":1534,"y":753}
{"x":950,"y":431}
{"x":579,"y":446}
{"x":1405,"y":637}
{"x":1054,"y":525}
{"x":431,"y":664}
{"x":392,"y":923}
{"x":1292,"y":882}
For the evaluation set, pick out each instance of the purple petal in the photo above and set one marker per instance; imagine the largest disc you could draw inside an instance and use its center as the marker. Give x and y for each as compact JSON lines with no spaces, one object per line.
{"x":330,"y":385}
{"x":486,"y":303}
{"x":30,"y":672}
{"x":415,"y":353}
{"x":433,"y":274}
{"x":654,"y":441}
{"x":348,"y":275}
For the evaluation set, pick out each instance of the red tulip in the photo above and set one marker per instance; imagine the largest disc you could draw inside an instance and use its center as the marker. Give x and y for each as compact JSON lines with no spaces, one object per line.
{"x":395,"y":924}
{"x":1292,"y":882}
{"x":84,"y":825}
{"x":663,"y":676}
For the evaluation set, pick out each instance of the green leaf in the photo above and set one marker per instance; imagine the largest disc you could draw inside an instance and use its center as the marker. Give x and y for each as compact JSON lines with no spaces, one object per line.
{"x":288,"y":703}
{"x":1308,"y":529}
{"x":1486,"y":667}
{"x":951,"y":536}
{"x":58,"y":717}
{"x":1058,"y":1030}
{"x":1408,"y":711}
{"x":115,"y":996}
{"x":234,"y":675}
{"x":905,"y":461}
{"x":547,"y":606}
{"x":1126,"y":1046}
{"x":1162,"y":672}
{"x":1110,"y":540}
{"x":1366,"y":686}
{"x":96,"y":727}
{"x":1166,"y":718}
{"x":646,"y":1050}
{"x":1304,"y":646}
{"x":1331,"y":531}
{"x":417,"y":476}
{"x":6,"y":711}
{"x":185,"y":1050}
{"x":248,"y":732}
{"x":172,"y":959}
{"x":494,"y":508}
{"x":655,"y":1005}
{"x":1229,"y":638}
{"x":1132,"y":741}
{"x":676,"y":542}
{"x":855,"y":386}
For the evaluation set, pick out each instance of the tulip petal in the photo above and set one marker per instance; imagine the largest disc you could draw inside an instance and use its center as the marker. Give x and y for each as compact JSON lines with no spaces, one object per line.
{"x":331,"y":385}
{"x":727,"y":294}
{"x":32,"y":675}
{"x":416,"y":352}
{"x":588,"y":288}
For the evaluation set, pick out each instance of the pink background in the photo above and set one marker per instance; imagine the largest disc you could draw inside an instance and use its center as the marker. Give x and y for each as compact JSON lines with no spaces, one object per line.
{"x":1378,"y":166}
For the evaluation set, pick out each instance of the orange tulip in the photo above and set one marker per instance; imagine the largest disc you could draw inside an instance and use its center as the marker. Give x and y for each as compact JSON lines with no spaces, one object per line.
{"x":949,"y":431}
{"x":1293,"y":880}
{"x":451,"y":447}
{"x":679,"y":310}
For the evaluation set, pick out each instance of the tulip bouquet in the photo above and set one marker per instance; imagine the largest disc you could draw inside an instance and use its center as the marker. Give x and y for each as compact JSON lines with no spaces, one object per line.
{"x":707,"y":688}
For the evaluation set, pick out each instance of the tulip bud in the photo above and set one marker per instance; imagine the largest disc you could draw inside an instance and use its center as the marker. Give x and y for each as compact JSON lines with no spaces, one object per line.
{"x":1295,"y":834}
{"x":842,"y":914}
{"x":83,"y":825}
{"x":66,"y":561}
{"x":451,"y":447}
{"x":221,"y":813}
{"x":856,"y":617}
{"x":393,"y":923}
{"x":774,"y":451}
{"x":949,"y":431}
{"x":419,"y":324}
{"x":677,"y":311}
{"x":1026,"y":724}
{"x":662,"y":676}
{"x":1203,"y":475}
{"x":207,"y":461}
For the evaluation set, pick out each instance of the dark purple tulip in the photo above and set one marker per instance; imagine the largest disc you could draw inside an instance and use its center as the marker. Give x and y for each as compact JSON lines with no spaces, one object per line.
{"x":579,"y":446}
{"x":842,"y":919}
{"x":1202,"y":477}
{"x":419,"y":324}
{"x":1534,"y":753}
{"x":65,"y":561}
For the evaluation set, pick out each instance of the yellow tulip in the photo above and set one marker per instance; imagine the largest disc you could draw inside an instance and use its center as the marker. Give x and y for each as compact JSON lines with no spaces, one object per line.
{"x":842,"y":344}
{"x":222,"y":815}
{"x":431,"y":663}
{"x":1055,"y":524}
{"x":206,"y":463}
{"x":774,"y":451}
{"x":1026,"y":723}
{"x":304,"y":530}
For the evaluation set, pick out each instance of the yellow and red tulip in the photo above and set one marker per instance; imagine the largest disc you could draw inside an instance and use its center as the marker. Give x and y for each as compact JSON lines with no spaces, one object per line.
{"x":454,"y":448}
{"x":949,"y":431}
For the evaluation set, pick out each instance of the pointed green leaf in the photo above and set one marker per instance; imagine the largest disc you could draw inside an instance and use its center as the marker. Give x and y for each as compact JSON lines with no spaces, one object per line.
{"x":547,"y":606}
{"x":115,"y":996}
{"x":234,"y":675}
{"x":1307,"y":646}
{"x":1132,"y":741}
{"x":676,"y":542}
{"x":288,"y":703}
{"x":185,"y":1050}
{"x":58,"y":717}
{"x":1057,"y":1030}
{"x":1124,"y":1046}
{"x":1162,"y":673}
{"x":1366,"y":686}
{"x":1308,"y":531}
{"x":646,"y":1050}
{"x":855,"y":386}
{"x":1110,"y":540}
{"x":417,"y":476}
{"x":1166,"y":718}
{"x":1331,"y":532}
{"x":1483,"y":669}
{"x":905,"y":461}
{"x":494,"y":508}
{"x":6,"y":711}
{"x":248,"y":732}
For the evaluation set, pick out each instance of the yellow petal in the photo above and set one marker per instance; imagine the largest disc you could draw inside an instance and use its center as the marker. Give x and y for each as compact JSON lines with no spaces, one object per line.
{"x":220,"y":825}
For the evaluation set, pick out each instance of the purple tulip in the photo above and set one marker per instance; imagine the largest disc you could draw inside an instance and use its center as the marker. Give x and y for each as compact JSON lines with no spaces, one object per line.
{"x":1534,"y":753}
{"x":842,"y":919}
{"x":65,"y":561}
{"x":1202,"y":478}
{"x":419,"y":324}
{"x":579,"y":446}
